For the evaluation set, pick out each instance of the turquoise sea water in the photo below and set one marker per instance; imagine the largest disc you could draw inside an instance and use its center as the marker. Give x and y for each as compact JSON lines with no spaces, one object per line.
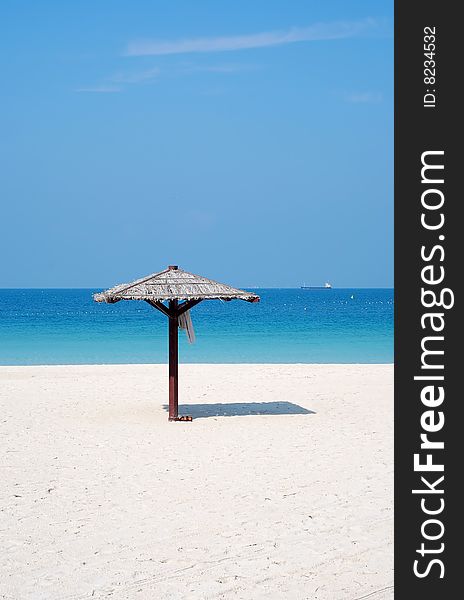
{"x":64,"y":326}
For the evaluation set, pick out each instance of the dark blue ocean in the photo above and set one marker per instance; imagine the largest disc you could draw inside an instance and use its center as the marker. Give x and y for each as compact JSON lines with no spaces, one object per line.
{"x":63,"y":326}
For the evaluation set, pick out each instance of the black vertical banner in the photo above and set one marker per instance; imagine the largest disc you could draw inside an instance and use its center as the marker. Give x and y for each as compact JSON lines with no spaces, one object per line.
{"x":429,"y":249}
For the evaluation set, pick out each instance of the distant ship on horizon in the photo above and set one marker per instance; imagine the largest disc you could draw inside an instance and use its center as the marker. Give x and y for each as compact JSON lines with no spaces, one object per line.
{"x":326,"y":286}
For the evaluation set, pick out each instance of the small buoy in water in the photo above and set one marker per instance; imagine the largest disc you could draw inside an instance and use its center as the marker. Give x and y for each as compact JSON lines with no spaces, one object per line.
{"x":352,"y":297}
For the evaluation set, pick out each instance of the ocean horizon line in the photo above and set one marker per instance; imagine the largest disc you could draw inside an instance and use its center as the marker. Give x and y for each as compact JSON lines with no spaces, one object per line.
{"x":253,"y":287}
{"x":195,"y":364}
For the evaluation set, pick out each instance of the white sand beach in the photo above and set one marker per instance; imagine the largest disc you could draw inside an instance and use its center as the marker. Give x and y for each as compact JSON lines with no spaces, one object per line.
{"x":280,"y":488}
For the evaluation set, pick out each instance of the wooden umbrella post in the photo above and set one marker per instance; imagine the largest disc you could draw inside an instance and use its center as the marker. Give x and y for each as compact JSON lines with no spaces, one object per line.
{"x":173,"y":361}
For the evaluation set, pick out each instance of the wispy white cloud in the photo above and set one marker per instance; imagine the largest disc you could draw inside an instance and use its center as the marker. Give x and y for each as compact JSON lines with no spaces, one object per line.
{"x":100,"y":89}
{"x":118,"y":81}
{"x":319,"y":31}
{"x":364,"y":97}
{"x":231,"y":68}
{"x":136,"y":77}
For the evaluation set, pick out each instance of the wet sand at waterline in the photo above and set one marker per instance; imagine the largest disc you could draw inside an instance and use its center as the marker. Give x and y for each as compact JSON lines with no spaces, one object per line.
{"x":281,"y":486}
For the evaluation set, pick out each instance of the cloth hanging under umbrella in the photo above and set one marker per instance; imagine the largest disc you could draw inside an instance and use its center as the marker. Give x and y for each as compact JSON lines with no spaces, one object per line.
{"x":185,"y":323}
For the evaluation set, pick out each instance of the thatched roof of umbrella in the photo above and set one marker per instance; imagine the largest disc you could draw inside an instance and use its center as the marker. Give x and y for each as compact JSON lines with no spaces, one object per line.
{"x":163,"y":291}
{"x":174,"y":284}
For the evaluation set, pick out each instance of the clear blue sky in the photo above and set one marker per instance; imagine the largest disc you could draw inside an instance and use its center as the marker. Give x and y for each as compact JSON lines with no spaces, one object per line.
{"x":251,"y":142}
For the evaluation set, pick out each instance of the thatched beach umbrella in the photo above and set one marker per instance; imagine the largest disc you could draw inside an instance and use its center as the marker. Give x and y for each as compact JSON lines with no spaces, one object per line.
{"x":174,"y":292}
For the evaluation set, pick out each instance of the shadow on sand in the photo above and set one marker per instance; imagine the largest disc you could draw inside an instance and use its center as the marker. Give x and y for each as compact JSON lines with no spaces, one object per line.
{"x":237,"y":409}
